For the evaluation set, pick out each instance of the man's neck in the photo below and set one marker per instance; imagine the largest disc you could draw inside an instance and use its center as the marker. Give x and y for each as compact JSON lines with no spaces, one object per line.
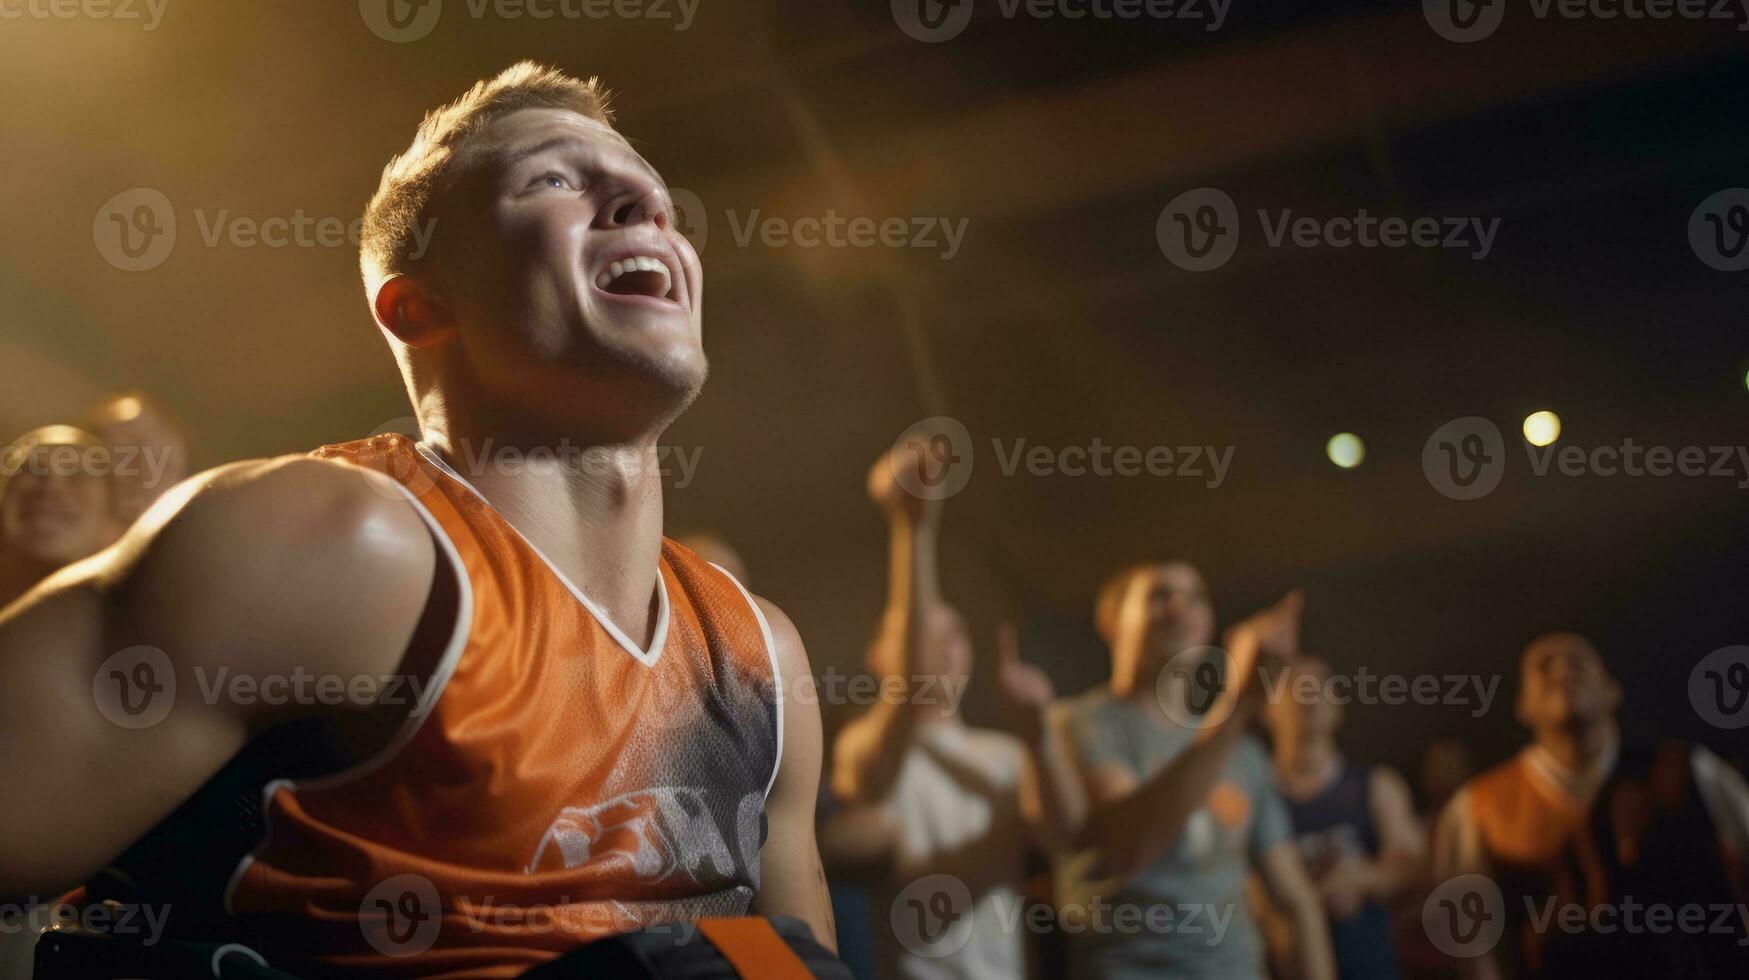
{"x":595,"y":512}
{"x":1579,"y":749}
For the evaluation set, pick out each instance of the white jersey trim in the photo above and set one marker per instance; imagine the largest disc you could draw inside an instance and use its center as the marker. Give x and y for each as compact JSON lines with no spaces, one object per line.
{"x":776,"y":673}
{"x":658,"y":641}
{"x":440,"y":675}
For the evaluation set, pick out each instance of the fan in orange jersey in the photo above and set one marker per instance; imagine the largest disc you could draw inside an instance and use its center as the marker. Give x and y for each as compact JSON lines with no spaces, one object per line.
{"x":1581,"y":857}
{"x":487,"y":712}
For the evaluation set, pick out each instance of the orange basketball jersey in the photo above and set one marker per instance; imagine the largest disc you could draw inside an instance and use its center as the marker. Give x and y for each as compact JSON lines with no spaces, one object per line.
{"x":555,"y":783}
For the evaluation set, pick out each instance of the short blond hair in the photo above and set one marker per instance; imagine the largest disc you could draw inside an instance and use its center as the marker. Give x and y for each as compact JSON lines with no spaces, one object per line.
{"x":415,"y":177}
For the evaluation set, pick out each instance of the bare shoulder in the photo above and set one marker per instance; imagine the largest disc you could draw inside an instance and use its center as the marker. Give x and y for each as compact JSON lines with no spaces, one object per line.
{"x":786,"y":642}
{"x":296,"y":558}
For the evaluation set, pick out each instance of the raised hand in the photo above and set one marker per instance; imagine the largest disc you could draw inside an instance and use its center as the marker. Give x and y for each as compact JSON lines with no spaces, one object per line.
{"x":1264,"y":641}
{"x":889,"y":493}
{"x":1026,"y":691}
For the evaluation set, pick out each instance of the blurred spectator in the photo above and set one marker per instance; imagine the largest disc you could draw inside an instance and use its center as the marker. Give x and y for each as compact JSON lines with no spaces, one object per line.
{"x":150,"y":449}
{"x":1180,"y":802}
{"x":56,"y":505}
{"x":1577,"y":823}
{"x":1355,"y":825}
{"x":934,"y":813}
{"x":1445,"y":767}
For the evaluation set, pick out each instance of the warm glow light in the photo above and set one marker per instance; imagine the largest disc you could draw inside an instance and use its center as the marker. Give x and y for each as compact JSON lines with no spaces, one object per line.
{"x":127,"y":408}
{"x":1542,"y":428}
{"x":1345,"y":450}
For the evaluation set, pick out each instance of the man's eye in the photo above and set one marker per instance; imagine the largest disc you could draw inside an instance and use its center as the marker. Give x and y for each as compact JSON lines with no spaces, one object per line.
{"x":554,"y":181}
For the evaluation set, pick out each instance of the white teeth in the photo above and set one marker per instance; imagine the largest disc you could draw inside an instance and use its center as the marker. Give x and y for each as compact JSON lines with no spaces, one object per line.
{"x":637,"y":263}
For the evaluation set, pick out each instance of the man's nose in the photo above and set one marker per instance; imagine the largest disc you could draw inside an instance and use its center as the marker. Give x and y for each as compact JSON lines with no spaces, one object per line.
{"x":633,"y":202}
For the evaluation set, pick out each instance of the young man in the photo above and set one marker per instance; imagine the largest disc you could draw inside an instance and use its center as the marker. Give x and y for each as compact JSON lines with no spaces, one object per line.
{"x":1576,"y":822}
{"x":921,"y":793}
{"x":581,"y":731}
{"x":57,"y":505}
{"x":1179,"y":803}
{"x":1354,"y":825}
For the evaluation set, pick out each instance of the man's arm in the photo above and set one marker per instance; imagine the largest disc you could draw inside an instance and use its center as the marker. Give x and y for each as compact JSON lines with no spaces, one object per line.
{"x":1457,"y":850}
{"x":1163,"y":803}
{"x":1293,"y":894}
{"x":1401,"y":851}
{"x":791,"y":880}
{"x":1052,"y":797}
{"x":869,"y":750}
{"x":256,"y":568}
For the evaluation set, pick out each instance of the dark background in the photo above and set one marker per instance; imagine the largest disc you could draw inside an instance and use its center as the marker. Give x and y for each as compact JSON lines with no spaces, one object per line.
{"x":1059,"y":321}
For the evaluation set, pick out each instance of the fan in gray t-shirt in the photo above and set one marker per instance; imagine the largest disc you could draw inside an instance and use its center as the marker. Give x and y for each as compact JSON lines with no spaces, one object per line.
{"x":1170,"y":802}
{"x":1188,"y":907}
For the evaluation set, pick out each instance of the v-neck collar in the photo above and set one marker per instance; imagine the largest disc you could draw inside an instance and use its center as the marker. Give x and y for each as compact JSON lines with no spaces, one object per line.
{"x":659,"y":636}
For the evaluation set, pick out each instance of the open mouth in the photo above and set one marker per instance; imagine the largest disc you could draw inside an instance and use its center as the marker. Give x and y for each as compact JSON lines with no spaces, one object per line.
{"x":639,"y":275}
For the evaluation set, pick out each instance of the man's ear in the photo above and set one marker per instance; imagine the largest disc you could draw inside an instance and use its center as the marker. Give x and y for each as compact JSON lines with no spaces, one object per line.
{"x":415,"y":315}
